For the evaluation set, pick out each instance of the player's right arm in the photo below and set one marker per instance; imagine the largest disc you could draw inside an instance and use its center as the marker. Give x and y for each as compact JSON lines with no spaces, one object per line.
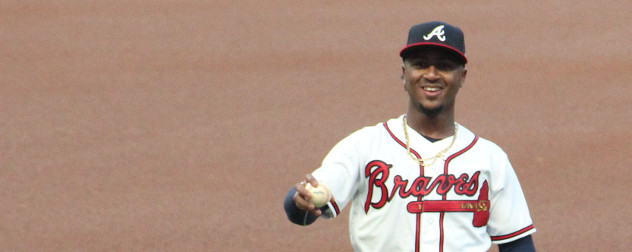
{"x":339,"y":171}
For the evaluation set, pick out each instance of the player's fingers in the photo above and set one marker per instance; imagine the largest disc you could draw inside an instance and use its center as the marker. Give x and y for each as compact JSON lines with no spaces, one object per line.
{"x":301,"y":202}
{"x":302,"y":196}
{"x":316,"y":212}
{"x":302,"y":191}
{"x":306,"y":205}
{"x":310,"y":179}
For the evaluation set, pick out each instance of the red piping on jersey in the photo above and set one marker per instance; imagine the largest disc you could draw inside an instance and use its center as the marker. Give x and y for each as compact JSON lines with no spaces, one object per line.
{"x":421,"y":173}
{"x":402,"y":144}
{"x":514,"y":234}
{"x":445,"y":171}
{"x":445,"y":166}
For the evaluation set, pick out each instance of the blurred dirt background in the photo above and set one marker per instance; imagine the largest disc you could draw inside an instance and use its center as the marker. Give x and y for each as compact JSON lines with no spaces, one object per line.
{"x":180,"y":125}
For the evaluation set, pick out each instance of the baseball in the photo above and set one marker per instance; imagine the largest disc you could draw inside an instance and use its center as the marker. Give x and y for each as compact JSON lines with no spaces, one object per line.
{"x":320,"y":194}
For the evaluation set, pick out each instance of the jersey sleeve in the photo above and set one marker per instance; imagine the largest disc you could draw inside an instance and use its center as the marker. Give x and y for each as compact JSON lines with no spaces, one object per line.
{"x":509,"y":214}
{"x":340,"y":171}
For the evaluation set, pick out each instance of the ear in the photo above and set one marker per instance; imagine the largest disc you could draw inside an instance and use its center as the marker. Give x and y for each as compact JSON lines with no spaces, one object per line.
{"x":463,"y":75}
{"x":402,"y":75}
{"x":403,"y":78}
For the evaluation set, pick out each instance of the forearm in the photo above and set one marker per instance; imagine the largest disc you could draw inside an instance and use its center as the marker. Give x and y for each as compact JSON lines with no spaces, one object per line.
{"x":524,"y":244}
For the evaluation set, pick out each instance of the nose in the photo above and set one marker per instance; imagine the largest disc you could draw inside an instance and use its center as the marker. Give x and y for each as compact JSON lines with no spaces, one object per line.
{"x":432,"y":73}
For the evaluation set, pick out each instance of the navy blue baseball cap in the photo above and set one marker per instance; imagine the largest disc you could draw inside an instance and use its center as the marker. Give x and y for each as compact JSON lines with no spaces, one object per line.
{"x":437,"y":34}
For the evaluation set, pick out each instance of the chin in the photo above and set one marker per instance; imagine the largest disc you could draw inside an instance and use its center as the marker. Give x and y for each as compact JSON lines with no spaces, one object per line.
{"x":430,"y":111}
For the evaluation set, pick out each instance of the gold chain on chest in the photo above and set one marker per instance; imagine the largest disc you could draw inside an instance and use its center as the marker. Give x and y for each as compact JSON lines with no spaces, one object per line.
{"x":427,"y":161}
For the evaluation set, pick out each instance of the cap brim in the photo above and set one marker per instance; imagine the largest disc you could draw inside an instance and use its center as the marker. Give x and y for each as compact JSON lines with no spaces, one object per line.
{"x":410,"y":47}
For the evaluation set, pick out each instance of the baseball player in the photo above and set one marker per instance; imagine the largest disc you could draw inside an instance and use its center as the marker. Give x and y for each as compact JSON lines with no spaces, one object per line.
{"x":421,"y":181}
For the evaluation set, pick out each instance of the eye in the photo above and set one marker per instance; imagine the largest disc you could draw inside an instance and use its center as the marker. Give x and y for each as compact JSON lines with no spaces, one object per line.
{"x":421,"y":64}
{"x":446,"y":65}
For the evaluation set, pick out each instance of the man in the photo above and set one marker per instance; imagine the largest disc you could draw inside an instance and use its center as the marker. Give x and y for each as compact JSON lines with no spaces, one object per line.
{"x":422,"y":182}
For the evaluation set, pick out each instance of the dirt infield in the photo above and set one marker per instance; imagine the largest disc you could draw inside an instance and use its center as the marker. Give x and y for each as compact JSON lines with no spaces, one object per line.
{"x":180,"y":125}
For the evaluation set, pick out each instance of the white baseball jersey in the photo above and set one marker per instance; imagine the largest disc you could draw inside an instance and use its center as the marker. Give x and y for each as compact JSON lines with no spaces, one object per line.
{"x":463,"y":202}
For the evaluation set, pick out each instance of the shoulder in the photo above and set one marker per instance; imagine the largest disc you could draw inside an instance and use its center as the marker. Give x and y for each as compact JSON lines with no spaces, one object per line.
{"x":482,"y":145}
{"x":491,"y":146}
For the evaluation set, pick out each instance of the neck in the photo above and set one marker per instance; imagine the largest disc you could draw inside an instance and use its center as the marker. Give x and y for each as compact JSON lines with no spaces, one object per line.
{"x":436,"y":126}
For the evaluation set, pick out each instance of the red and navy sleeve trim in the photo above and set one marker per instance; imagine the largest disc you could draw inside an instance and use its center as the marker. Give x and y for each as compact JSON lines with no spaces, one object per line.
{"x":514,"y":234}
{"x":336,"y":209}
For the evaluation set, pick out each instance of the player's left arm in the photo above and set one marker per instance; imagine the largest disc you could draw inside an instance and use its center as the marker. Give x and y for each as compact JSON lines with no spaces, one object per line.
{"x":509,"y":218}
{"x":524,"y":244}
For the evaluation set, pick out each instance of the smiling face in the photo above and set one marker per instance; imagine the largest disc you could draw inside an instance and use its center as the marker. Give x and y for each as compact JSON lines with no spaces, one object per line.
{"x":432,"y":77}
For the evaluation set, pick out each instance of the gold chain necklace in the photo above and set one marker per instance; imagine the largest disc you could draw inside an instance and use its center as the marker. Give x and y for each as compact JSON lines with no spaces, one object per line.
{"x":426,"y":161}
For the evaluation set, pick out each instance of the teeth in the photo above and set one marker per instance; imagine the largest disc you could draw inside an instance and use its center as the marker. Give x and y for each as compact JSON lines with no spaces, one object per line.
{"x":432,"y":88}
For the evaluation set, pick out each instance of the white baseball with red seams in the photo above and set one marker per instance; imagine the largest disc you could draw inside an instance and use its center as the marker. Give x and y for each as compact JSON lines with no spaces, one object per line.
{"x":465,"y":201}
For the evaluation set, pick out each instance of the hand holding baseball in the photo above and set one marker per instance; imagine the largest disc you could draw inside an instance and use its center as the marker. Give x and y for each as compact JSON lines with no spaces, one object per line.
{"x":310,"y":195}
{"x":320,"y":195}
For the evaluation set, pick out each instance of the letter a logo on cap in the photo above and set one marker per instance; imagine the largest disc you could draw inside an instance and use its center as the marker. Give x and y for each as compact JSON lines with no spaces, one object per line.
{"x":438,"y":31}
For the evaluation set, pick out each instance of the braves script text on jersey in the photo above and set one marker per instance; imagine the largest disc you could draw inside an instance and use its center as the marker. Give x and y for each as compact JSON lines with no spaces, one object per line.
{"x":463,"y":202}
